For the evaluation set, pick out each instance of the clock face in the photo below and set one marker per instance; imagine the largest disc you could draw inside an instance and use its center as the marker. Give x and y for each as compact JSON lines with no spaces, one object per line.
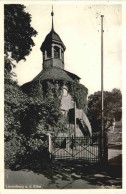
{"x":65,"y":92}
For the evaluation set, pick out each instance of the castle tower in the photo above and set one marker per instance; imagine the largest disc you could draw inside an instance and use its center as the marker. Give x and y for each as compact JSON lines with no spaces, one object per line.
{"x":72,"y":92}
{"x":53,"y":49}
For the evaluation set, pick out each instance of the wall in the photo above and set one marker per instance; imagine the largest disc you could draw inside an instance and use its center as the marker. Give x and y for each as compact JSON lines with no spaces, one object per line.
{"x":53,"y":63}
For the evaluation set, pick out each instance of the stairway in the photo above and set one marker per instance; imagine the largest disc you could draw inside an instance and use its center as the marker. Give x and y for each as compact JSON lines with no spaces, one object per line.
{"x":83,"y":127}
{"x":84,"y":123}
{"x":81,"y":119}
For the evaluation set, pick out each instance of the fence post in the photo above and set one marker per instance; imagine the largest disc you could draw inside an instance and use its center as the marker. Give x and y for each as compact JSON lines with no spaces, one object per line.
{"x":72,"y":145}
{"x":50,"y":144}
{"x":105,"y":158}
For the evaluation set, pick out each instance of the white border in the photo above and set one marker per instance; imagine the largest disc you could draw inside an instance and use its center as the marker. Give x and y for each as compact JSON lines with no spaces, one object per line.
{"x":72,"y":191}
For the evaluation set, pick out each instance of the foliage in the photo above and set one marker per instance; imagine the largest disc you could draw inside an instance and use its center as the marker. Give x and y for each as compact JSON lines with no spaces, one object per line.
{"x":79,"y":94}
{"x":18,"y":33}
{"x":28,"y":120}
{"x":33,"y":89}
{"x":14,"y":102}
{"x":41,"y":117}
{"x":112,"y":108}
{"x":42,"y":113}
{"x":18,"y":44}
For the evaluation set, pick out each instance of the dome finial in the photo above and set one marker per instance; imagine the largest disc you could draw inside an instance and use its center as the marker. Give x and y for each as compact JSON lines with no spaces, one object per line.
{"x":52,"y":14}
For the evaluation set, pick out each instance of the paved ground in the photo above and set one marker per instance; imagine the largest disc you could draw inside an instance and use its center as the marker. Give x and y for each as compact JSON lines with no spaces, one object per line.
{"x":115,"y":157}
{"x":69,"y":176}
{"x":62,"y":180}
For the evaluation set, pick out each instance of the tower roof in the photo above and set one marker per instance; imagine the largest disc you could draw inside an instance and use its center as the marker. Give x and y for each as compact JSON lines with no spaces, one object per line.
{"x":52,"y":36}
{"x":53,"y":73}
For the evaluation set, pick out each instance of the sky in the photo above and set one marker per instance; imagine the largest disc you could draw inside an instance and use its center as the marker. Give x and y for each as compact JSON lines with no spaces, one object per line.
{"x":79,"y":27}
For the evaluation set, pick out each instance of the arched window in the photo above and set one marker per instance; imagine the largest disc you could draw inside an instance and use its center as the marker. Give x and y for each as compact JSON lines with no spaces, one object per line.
{"x":56,"y":52}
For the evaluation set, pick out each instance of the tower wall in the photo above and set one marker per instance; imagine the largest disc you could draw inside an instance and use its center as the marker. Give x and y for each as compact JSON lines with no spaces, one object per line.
{"x":53,"y":63}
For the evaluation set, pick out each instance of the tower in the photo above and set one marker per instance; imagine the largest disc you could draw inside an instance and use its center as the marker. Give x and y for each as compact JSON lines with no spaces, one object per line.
{"x":53,"y":49}
{"x":53,"y":72}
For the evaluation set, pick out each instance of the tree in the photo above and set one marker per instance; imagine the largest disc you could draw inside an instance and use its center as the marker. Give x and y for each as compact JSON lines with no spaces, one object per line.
{"x":18,"y":43}
{"x":18,"y":34}
{"x":28,"y":120}
{"x":112,"y":108}
{"x":14,"y":103}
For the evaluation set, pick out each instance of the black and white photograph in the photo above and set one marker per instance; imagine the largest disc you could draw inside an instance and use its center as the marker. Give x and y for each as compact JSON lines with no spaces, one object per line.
{"x":63,"y":96}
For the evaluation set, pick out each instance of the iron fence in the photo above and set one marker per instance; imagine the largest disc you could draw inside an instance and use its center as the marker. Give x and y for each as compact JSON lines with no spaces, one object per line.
{"x":78,"y":148}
